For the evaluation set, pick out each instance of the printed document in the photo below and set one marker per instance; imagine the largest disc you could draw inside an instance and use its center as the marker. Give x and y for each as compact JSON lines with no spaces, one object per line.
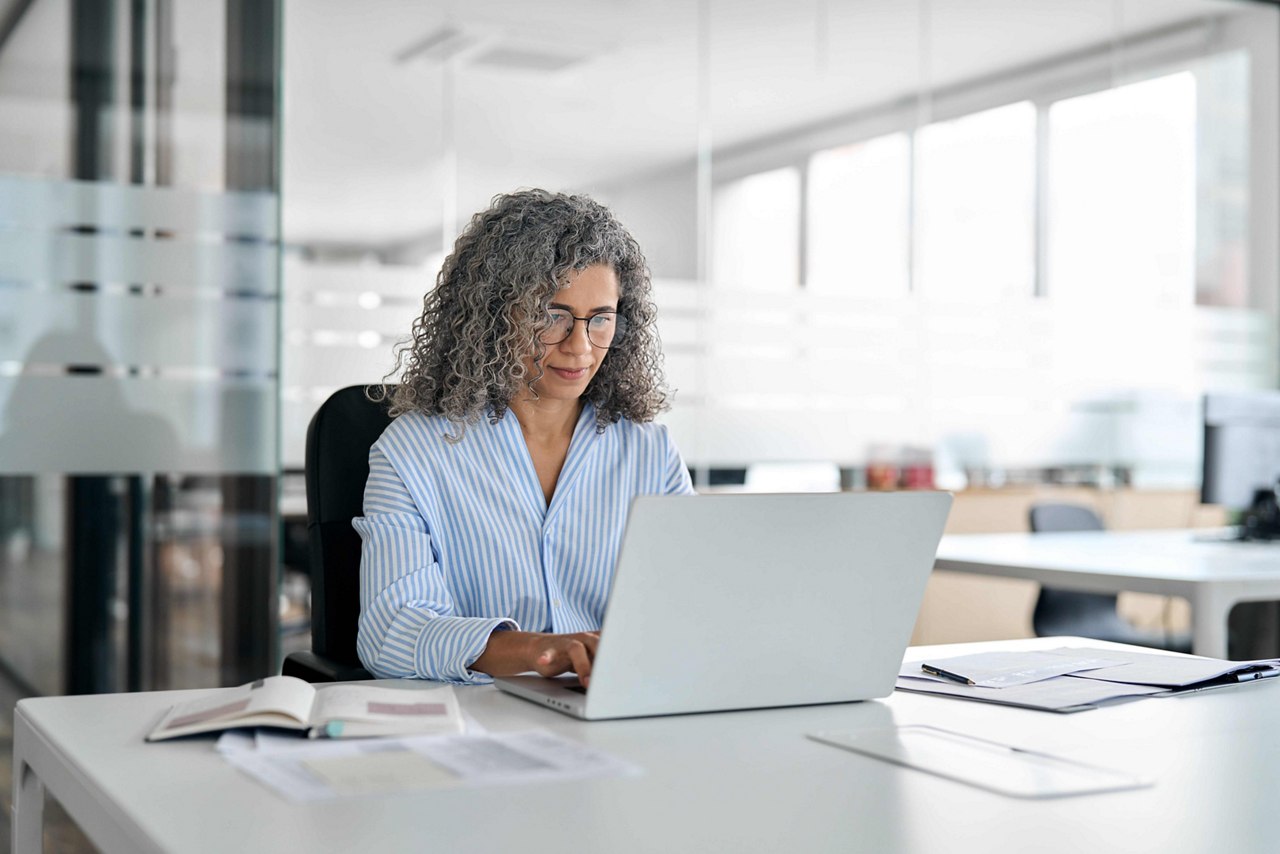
{"x":1058,"y":694}
{"x":324,"y":770}
{"x":1003,"y":669}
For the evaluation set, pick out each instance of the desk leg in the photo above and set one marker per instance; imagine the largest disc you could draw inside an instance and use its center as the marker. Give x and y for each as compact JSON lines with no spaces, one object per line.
{"x":1209,"y":611}
{"x":28,"y":809}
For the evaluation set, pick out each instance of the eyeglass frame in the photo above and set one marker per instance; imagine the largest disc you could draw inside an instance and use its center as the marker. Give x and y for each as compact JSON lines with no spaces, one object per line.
{"x":586,"y":322}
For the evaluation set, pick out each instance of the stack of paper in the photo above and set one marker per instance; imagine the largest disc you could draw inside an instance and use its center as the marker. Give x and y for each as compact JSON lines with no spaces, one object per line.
{"x":1071,"y":680}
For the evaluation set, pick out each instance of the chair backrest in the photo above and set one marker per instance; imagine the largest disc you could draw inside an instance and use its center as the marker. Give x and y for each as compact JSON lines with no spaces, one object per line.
{"x":337,"y":466}
{"x":1046,"y":518}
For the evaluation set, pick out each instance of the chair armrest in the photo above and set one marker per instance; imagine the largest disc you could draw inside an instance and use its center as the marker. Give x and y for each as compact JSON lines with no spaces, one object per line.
{"x":316,"y":668}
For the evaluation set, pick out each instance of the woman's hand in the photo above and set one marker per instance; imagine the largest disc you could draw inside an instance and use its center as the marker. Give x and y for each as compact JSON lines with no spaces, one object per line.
{"x":509,"y":653}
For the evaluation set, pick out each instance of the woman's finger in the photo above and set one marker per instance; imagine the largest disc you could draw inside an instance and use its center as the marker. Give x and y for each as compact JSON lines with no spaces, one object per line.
{"x":581,"y":661}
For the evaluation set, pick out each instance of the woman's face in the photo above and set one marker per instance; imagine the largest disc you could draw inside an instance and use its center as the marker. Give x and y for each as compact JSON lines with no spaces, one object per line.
{"x":569,"y":365}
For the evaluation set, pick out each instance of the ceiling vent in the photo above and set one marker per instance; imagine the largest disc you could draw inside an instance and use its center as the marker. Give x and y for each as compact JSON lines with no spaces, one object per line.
{"x":439,"y":45}
{"x":488,"y":51}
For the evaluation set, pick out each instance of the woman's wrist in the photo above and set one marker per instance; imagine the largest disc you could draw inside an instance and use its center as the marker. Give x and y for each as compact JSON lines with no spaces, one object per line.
{"x":507,"y":653}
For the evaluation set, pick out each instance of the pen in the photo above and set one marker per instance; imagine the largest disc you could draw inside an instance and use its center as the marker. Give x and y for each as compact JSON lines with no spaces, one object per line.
{"x":946,"y":674}
{"x":1256,"y":674}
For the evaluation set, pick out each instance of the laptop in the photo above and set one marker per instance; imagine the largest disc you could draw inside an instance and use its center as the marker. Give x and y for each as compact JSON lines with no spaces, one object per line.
{"x":736,"y":601}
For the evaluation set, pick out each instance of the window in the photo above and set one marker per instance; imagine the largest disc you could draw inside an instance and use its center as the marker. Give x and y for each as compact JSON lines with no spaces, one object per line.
{"x":755,"y":237}
{"x":999,"y":264}
{"x":859,"y":218}
{"x":1122,"y":194}
{"x":975,"y":205}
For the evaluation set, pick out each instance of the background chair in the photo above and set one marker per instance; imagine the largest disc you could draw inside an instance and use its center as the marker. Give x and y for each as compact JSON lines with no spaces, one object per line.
{"x":1090,"y":615}
{"x":337,"y":466}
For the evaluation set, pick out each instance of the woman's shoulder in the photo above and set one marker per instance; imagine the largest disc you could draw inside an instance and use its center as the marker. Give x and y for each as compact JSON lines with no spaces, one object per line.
{"x":649,"y":432}
{"x":416,"y":430}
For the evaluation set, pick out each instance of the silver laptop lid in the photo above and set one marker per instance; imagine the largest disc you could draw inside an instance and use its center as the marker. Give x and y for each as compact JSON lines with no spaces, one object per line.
{"x":749,"y":601}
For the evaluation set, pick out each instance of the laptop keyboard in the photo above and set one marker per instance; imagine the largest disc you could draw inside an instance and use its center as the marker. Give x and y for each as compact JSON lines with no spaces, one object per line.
{"x":576,"y":689}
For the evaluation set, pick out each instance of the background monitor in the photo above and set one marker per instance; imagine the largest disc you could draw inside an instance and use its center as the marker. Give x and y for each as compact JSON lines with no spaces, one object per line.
{"x":1241,"y":446}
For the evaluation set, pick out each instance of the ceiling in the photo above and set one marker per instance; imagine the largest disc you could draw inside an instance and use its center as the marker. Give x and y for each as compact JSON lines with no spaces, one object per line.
{"x":366,"y":135}
{"x":372,"y":157}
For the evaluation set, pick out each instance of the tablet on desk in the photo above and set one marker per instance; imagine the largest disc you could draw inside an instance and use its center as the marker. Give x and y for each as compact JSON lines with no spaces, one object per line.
{"x":990,"y":765}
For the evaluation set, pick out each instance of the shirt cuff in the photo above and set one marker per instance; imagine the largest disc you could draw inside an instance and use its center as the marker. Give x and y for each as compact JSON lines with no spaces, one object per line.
{"x":447,"y":646}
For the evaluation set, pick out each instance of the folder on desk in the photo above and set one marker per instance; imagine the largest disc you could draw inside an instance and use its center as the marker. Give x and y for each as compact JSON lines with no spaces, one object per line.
{"x":1178,"y":672}
{"x":1058,"y":694}
{"x":1086,"y":678}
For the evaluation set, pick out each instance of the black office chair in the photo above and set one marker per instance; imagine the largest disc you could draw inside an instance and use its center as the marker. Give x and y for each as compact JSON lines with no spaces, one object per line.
{"x":337,"y":466}
{"x":1090,"y":615}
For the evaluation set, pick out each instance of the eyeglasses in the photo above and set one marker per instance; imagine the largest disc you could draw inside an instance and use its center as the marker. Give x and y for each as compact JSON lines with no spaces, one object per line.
{"x":604,"y":329}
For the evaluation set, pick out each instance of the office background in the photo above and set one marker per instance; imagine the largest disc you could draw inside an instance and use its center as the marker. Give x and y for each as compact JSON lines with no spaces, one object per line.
{"x":1002,"y":247}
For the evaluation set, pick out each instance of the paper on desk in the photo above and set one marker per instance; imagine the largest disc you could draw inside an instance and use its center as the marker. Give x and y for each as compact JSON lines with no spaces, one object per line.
{"x":235,"y":739}
{"x":324,"y":770}
{"x":1058,"y":694}
{"x":1005,"y":669}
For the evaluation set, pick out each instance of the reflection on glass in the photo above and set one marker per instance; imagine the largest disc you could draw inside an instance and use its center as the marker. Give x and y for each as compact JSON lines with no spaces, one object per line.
{"x":1222,"y":180}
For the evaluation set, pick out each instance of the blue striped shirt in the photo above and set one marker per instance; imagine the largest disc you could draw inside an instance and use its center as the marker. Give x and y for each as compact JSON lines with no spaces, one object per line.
{"x":458,"y":540}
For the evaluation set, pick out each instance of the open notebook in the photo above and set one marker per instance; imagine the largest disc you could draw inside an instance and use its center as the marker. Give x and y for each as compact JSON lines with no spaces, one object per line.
{"x":333,"y":711}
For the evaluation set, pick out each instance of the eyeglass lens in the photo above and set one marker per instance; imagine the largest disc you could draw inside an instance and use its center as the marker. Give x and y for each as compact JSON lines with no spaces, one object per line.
{"x":603,"y":329}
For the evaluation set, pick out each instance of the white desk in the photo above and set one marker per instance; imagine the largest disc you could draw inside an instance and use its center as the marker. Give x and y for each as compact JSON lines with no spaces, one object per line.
{"x":1213,"y":576}
{"x":740,"y":782}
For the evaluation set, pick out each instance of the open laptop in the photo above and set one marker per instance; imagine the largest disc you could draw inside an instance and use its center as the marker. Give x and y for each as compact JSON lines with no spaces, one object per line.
{"x":750,"y":601}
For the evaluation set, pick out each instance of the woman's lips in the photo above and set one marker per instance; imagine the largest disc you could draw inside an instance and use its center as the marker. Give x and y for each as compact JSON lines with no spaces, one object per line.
{"x":570,"y":374}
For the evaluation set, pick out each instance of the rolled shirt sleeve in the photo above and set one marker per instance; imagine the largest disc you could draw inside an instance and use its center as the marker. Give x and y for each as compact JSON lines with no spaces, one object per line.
{"x":408,"y":622}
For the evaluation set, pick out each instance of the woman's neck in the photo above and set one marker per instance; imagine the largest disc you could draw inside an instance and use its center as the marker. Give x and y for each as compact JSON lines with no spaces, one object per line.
{"x":547,"y":420}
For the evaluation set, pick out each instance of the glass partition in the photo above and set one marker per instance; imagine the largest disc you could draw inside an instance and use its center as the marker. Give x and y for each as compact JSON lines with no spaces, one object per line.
{"x":139,"y":368}
{"x":874,"y":228}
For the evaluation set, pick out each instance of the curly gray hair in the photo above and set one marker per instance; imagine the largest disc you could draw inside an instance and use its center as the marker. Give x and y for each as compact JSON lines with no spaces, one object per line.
{"x":465,"y":354}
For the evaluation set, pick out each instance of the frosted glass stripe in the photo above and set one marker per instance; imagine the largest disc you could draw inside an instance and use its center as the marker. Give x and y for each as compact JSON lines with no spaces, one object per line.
{"x":31,"y":203}
{"x":95,"y":425}
{"x":1042,"y":382}
{"x":62,"y":258}
{"x":173,"y":332}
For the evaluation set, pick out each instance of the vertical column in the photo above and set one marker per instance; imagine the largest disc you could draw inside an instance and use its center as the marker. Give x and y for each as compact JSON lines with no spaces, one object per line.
{"x":91,"y":507}
{"x":250,"y":575}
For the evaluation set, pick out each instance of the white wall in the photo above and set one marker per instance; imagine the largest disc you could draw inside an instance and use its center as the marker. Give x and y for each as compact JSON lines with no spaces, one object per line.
{"x":661,"y":212}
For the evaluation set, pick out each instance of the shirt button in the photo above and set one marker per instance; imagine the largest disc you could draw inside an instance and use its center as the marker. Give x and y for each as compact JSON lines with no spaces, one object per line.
{"x":555,"y":603}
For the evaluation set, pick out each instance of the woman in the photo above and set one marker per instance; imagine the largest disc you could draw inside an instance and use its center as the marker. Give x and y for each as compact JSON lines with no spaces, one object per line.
{"x":497,"y":497}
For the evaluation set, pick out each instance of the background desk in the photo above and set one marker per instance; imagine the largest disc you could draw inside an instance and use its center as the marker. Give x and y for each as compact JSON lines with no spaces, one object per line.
{"x":1213,"y":576}
{"x":738,"y":781}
